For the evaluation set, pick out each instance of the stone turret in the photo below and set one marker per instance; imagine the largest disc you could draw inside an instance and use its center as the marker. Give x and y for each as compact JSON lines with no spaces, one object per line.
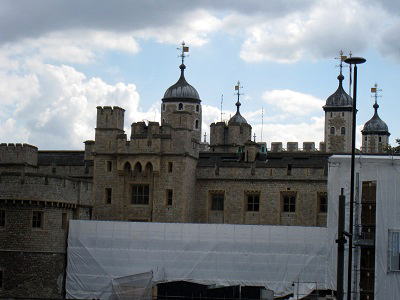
{"x":110,"y":124}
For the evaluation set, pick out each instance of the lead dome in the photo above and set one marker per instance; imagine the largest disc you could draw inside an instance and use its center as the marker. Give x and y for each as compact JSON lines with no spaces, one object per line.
{"x":181,"y":90}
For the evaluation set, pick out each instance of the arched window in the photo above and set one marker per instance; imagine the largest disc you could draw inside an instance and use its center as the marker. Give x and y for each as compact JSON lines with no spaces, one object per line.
{"x":380,"y":139}
{"x":196,"y":124}
{"x":197,"y":108}
{"x":180,"y":106}
{"x":138,"y":167}
{"x":343,"y":131}
{"x":149,"y":168}
{"x":127,"y":167}
{"x":332,"y":130}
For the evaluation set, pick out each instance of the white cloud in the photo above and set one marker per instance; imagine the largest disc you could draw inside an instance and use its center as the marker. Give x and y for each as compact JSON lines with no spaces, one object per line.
{"x":61,"y":113}
{"x":292,"y":102}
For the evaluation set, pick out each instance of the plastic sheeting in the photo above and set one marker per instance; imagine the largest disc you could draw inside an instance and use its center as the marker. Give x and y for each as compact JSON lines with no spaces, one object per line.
{"x":277,"y":257}
{"x":385,"y":170}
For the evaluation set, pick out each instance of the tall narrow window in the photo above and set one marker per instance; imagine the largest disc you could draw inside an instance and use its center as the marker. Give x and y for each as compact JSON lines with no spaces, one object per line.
{"x":253,"y":202}
{"x":322,"y":203}
{"x":169,"y":195}
{"x":332,"y":130}
{"x":140,"y":194}
{"x":64,"y":221}
{"x":289,"y":202}
{"x":37,"y":219}
{"x":2,"y":218}
{"x":163,"y":107}
{"x":366,"y":138}
{"x":343,"y":131}
{"x":394,"y":250}
{"x":197,"y":108}
{"x":289,"y":169}
{"x":108,"y":195}
{"x":170,"y":167}
{"x":217,"y":201}
{"x":109,"y":166}
{"x":380,"y":139}
{"x":1,"y":278}
{"x":196,"y":126}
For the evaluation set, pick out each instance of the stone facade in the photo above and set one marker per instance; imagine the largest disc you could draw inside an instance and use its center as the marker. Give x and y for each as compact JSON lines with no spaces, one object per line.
{"x":160,"y":173}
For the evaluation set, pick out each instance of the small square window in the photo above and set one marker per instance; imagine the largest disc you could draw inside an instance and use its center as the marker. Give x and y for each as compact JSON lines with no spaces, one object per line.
{"x":2,"y":218}
{"x":217,"y":201}
{"x":170,"y":167}
{"x":253,"y":202}
{"x":322,"y":203}
{"x":289,"y":203}
{"x":109,"y":166}
{"x":37,"y":219}
{"x":108,"y":195}
{"x":169,"y":195}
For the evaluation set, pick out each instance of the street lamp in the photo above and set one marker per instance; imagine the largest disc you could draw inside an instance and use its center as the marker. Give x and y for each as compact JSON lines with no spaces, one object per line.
{"x":352,"y":61}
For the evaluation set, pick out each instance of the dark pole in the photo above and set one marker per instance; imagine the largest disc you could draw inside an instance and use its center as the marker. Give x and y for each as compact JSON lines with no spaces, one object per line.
{"x":352,"y":61}
{"x":340,"y":241}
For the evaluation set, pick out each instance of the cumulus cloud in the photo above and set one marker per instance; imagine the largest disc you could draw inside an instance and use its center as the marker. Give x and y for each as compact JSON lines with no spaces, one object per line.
{"x":60,"y":112}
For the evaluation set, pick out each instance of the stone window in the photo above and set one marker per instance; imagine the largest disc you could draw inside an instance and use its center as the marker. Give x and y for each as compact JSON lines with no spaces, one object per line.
{"x":342,"y":114}
{"x":380,"y":139}
{"x":197,"y":108}
{"x":343,"y":131}
{"x":37,"y":219}
{"x":366,"y":138}
{"x":253,"y":202}
{"x":196,"y":124}
{"x":217,"y":201}
{"x":64,"y":221}
{"x":332,"y":131}
{"x":180,"y":106}
{"x":2,"y":218}
{"x":163,"y":107}
{"x":331,"y":114}
{"x":140,"y":194}
{"x":322,"y":203}
{"x":108,"y":195}
{"x":169,"y":196}
{"x":109,"y":166}
{"x":170,"y":167}
{"x":289,"y":169}
{"x":289,"y":202}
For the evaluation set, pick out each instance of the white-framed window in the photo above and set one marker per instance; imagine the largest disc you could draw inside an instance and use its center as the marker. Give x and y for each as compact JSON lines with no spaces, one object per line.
{"x":394,"y":251}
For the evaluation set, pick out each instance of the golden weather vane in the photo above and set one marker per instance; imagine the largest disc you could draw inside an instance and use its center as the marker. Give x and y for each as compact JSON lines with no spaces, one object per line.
{"x":183,"y":49}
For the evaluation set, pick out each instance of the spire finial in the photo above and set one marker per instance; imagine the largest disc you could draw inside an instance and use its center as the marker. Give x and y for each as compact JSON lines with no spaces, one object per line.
{"x":254,"y":136}
{"x":205,"y":137}
{"x":183,"y":49}
{"x":237,"y":88}
{"x":375,"y":91}
{"x":341,"y":58}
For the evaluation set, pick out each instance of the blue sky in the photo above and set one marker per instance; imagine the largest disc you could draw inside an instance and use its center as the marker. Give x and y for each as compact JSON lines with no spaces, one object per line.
{"x":63,"y":58}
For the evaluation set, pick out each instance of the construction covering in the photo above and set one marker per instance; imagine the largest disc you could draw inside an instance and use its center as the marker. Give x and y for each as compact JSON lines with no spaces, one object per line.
{"x":115,"y":260}
{"x":385,"y":171}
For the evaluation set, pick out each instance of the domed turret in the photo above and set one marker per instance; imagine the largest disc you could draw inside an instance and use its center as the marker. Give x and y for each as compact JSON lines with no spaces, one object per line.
{"x":375,"y":124}
{"x":181,"y":91}
{"x":375,"y":132}
{"x":339,"y":98}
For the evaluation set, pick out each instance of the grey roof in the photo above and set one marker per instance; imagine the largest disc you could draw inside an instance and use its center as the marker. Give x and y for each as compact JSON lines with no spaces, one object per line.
{"x":339,"y":97}
{"x":375,"y":124}
{"x":61,"y":158}
{"x":181,"y":89}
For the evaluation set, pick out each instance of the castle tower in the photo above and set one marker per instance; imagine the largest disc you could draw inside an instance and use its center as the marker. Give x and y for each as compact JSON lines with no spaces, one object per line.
{"x":375,"y":134}
{"x":180,"y":106}
{"x":338,"y":120}
{"x":231,"y":137}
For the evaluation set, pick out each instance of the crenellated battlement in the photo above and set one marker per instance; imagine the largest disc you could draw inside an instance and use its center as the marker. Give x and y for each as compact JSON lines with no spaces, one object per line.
{"x":18,"y":154}
{"x":151,"y":130}
{"x":294,"y":147}
{"x":110,"y":117}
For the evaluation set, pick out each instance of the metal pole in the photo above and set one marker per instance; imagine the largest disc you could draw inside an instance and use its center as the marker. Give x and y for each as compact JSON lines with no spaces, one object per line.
{"x":340,"y":241}
{"x":353,"y":147}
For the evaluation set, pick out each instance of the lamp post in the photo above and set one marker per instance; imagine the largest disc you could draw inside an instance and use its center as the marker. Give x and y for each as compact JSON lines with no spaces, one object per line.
{"x":352,"y":61}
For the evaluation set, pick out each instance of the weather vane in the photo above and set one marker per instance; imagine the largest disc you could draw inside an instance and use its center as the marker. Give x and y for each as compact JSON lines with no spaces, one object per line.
{"x":341,"y":58}
{"x":375,"y":91}
{"x":237,"y":88}
{"x":183,"y":49}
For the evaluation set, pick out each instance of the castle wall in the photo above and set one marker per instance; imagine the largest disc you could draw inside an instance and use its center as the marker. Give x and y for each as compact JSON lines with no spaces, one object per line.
{"x":33,"y":257}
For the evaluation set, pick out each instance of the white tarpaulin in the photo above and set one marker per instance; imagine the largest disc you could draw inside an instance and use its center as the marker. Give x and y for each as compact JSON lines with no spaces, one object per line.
{"x":385,"y":171}
{"x":277,"y":257}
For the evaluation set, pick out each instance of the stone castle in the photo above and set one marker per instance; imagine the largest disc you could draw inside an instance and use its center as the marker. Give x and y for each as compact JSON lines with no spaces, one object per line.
{"x":162,"y":173}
